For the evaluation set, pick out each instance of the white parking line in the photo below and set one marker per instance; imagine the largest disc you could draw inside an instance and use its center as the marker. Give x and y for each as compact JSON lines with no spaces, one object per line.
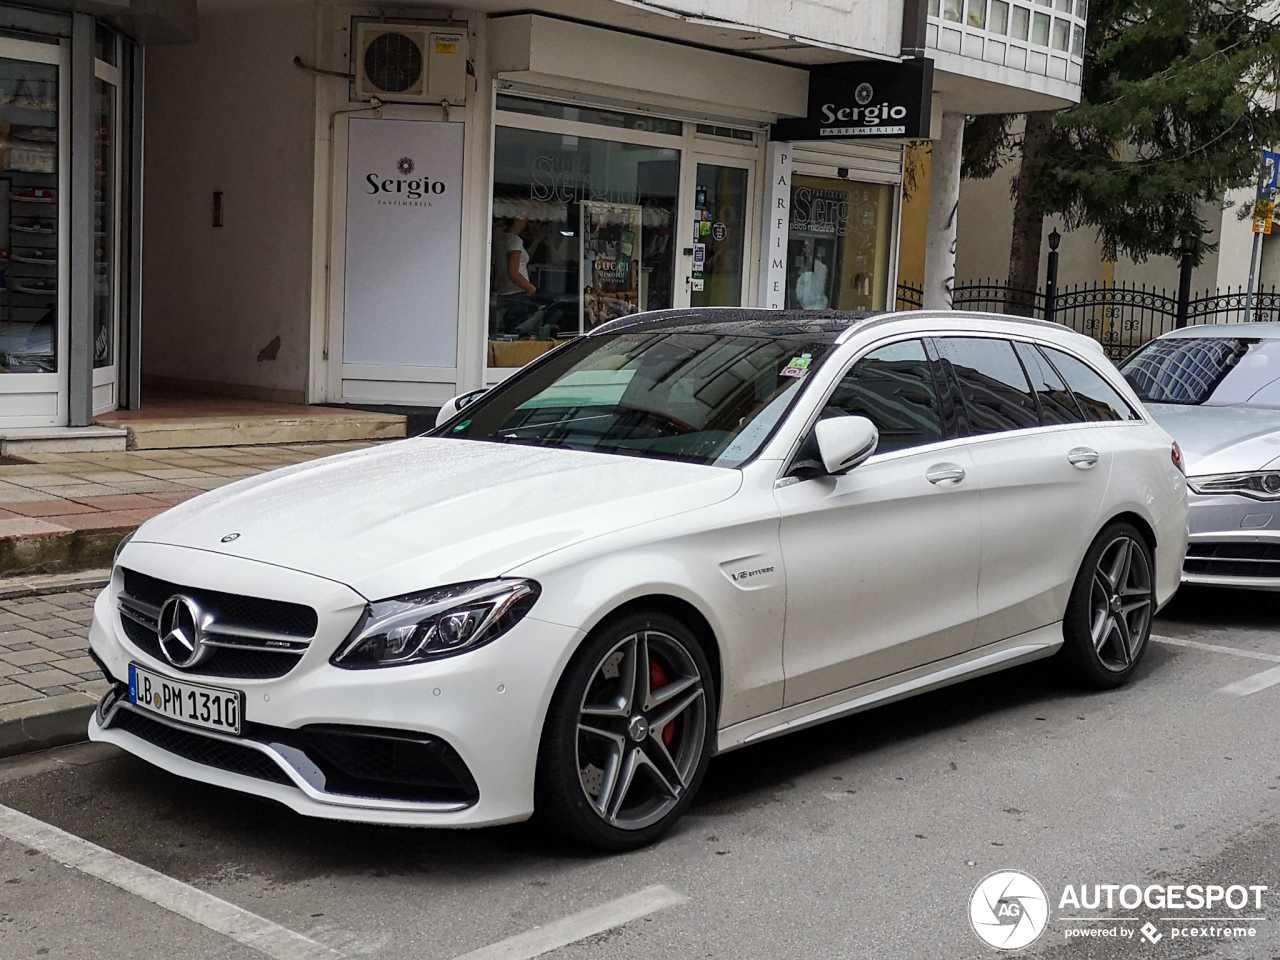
{"x":579,"y":926}
{"x":255,"y":932}
{"x":1214,"y":648}
{"x":1241,"y":688}
{"x":1259,"y":681}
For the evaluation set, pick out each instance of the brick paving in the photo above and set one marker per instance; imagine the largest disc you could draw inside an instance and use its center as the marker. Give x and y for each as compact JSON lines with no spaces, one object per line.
{"x":54,"y":494}
{"x":44,"y":644}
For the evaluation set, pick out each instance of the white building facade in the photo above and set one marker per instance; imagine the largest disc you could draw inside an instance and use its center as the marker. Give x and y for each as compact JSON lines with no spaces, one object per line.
{"x":390,"y":205}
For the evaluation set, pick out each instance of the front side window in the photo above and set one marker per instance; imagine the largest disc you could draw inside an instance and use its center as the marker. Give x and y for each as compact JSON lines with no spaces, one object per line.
{"x":701,"y":398}
{"x":1209,"y":370}
{"x":1099,"y":400}
{"x":993,"y":386}
{"x":893,"y":387}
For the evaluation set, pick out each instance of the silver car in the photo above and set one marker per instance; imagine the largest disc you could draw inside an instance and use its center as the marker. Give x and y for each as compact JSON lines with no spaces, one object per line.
{"x":1216,"y":390}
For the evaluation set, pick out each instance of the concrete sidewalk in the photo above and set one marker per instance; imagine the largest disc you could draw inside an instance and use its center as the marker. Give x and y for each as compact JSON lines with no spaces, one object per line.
{"x":67,"y":511}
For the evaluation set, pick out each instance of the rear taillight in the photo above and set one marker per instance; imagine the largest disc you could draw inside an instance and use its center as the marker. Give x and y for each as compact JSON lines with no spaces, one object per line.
{"x":1176,"y":454}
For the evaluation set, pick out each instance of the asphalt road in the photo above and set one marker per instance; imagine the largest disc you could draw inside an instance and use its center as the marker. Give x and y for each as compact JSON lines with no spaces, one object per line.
{"x":862,"y":838}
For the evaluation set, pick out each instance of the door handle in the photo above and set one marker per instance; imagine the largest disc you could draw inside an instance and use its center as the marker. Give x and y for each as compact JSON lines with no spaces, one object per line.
{"x":1082,"y":457}
{"x":945,"y":473}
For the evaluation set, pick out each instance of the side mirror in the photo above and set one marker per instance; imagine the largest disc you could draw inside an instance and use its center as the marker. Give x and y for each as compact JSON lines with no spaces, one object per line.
{"x":451,"y":407}
{"x":844,"y":442}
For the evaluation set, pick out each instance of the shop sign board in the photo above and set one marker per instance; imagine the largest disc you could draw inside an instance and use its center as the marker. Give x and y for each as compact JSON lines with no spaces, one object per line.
{"x":403,"y":243}
{"x":773,"y":278}
{"x":865,"y":100}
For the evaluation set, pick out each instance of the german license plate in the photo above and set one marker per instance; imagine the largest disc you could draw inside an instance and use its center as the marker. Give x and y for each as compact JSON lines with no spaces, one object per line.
{"x":192,"y":703}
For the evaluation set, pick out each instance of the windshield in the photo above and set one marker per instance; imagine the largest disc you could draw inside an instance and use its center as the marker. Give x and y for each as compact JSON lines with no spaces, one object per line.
{"x":696,"y":397}
{"x":1214,"y":371}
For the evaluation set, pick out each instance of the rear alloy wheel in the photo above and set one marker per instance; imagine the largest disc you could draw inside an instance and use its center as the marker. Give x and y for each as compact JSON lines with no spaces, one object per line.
{"x":1108,"y":621}
{"x":628,"y":735}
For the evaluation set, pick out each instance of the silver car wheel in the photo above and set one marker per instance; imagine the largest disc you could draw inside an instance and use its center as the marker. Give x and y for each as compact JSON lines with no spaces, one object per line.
{"x":641,"y":730}
{"x":1120,"y":604}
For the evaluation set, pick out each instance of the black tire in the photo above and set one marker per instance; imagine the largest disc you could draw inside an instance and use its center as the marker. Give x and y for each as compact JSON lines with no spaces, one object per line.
{"x":598,"y":738}
{"x":1107,"y":626}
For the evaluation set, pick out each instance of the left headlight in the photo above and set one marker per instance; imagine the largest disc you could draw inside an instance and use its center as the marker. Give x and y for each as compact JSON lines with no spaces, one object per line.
{"x":1259,"y":486}
{"x":436,"y":623}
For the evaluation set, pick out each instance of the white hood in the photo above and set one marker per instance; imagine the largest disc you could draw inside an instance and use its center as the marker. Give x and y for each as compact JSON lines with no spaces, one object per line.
{"x":1226,"y":439}
{"x":415,"y":514}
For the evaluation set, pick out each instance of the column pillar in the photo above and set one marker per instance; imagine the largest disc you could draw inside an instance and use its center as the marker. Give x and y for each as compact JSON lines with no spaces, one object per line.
{"x":944,"y":202}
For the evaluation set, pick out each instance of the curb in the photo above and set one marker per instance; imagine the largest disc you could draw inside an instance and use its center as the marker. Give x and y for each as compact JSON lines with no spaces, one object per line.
{"x":40,"y":724}
{"x":60,"y":552}
{"x":15,"y":588}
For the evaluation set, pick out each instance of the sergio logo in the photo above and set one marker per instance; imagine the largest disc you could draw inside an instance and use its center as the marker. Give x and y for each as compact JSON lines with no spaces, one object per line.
{"x":1008,"y":910}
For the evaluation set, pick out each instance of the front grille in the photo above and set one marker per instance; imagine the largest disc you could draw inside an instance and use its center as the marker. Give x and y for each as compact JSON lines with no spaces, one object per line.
{"x":254,"y":639}
{"x":1233,"y":559}
{"x":274,"y":616}
{"x":228,"y":662}
{"x":200,"y":749}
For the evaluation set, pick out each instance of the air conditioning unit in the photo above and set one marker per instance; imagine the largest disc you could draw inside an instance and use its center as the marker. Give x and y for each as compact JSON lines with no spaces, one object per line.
{"x":410,"y":63}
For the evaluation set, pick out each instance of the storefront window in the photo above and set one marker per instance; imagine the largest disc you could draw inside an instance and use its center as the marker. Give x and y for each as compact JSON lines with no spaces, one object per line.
{"x":104,"y":224}
{"x":28,"y":217}
{"x":838,"y":246}
{"x":583,"y":233}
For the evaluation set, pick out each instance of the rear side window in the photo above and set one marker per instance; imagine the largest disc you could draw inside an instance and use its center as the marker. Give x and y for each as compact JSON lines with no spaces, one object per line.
{"x":1099,"y":399}
{"x":993,"y":386}
{"x":1057,"y":405}
{"x":893,"y":387}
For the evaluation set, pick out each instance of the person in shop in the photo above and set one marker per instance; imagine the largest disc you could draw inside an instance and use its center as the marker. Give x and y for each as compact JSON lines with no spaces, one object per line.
{"x":513,"y":291}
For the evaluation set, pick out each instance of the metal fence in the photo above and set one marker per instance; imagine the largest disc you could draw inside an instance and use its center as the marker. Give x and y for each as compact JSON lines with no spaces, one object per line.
{"x":1122,"y":317}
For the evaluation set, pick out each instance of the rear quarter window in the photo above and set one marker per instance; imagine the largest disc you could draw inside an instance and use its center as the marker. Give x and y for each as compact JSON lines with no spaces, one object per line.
{"x":1099,"y":400}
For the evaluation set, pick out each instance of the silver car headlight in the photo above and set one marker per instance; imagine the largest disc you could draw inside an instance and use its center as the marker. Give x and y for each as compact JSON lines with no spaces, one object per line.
{"x":436,"y":623}
{"x":1259,"y":486}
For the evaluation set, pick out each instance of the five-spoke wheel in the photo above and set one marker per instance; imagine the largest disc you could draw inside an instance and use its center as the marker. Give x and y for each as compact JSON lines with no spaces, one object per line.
{"x":1108,"y":619}
{"x":629,"y":733}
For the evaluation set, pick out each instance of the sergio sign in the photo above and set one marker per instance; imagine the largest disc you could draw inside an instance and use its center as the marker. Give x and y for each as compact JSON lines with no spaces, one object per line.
{"x":858,"y":101}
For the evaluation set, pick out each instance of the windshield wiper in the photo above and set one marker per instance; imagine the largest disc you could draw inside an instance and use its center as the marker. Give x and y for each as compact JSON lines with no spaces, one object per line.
{"x":555,"y":423}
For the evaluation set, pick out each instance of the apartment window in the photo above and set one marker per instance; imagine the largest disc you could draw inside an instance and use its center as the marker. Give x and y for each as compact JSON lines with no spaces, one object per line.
{"x":952,"y":10}
{"x":1077,"y":42}
{"x":999,"y":17}
{"x":935,"y":8}
{"x":1040,"y":29}
{"x":978,"y":13}
{"x":1021,"y":23}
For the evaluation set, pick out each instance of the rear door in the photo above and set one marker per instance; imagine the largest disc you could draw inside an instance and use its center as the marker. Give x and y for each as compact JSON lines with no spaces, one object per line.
{"x":1044,"y":477}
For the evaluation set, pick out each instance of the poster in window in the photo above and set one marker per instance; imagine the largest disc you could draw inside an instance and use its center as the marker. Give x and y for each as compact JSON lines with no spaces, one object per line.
{"x":611,"y":267}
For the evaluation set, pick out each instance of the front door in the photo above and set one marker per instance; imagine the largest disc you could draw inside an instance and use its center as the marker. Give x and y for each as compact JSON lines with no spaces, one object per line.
{"x":882,"y":563}
{"x":718,"y":233}
{"x":33,"y":235}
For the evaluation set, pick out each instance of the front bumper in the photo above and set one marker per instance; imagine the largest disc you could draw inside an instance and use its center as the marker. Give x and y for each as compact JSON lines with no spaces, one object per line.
{"x":484,"y":708}
{"x":1234,"y":542}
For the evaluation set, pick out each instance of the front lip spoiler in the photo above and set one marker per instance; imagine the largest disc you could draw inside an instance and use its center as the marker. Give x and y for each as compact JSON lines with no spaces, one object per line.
{"x":300,"y":770}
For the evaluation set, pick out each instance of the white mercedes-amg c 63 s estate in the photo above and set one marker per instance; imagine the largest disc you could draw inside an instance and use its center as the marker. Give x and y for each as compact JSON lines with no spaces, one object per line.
{"x":678,"y":535}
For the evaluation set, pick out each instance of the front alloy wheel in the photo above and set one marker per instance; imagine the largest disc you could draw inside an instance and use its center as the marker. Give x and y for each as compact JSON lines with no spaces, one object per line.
{"x":1108,"y":619}
{"x":628,"y":735}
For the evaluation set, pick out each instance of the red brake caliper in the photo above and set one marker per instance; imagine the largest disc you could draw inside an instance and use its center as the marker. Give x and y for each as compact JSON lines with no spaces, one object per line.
{"x":658,"y":680}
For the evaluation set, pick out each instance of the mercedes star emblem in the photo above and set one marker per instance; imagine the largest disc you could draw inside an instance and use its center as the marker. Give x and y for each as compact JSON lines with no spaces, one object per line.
{"x":182,"y":633}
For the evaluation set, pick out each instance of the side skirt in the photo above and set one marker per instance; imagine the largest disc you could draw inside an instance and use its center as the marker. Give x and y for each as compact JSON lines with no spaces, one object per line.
{"x":1024,"y":648}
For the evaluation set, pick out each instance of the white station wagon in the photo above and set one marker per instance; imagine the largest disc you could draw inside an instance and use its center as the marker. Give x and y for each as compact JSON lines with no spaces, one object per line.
{"x":679,"y":535}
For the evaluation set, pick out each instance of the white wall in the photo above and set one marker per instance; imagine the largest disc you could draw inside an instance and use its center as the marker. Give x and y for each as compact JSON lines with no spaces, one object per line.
{"x":872,"y":26}
{"x":231,"y":113}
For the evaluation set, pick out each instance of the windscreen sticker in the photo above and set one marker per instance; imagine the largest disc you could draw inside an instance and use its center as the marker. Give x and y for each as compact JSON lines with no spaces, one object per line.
{"x":798,"y":366}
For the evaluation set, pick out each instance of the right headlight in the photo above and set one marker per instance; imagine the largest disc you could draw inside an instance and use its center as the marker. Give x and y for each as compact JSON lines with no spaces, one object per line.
{"x":436,"y":623}
{"x":1260,"y":486}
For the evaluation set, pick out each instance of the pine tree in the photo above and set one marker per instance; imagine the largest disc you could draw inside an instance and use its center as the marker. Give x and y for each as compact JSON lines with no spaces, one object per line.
{"x":1178,"y":102}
